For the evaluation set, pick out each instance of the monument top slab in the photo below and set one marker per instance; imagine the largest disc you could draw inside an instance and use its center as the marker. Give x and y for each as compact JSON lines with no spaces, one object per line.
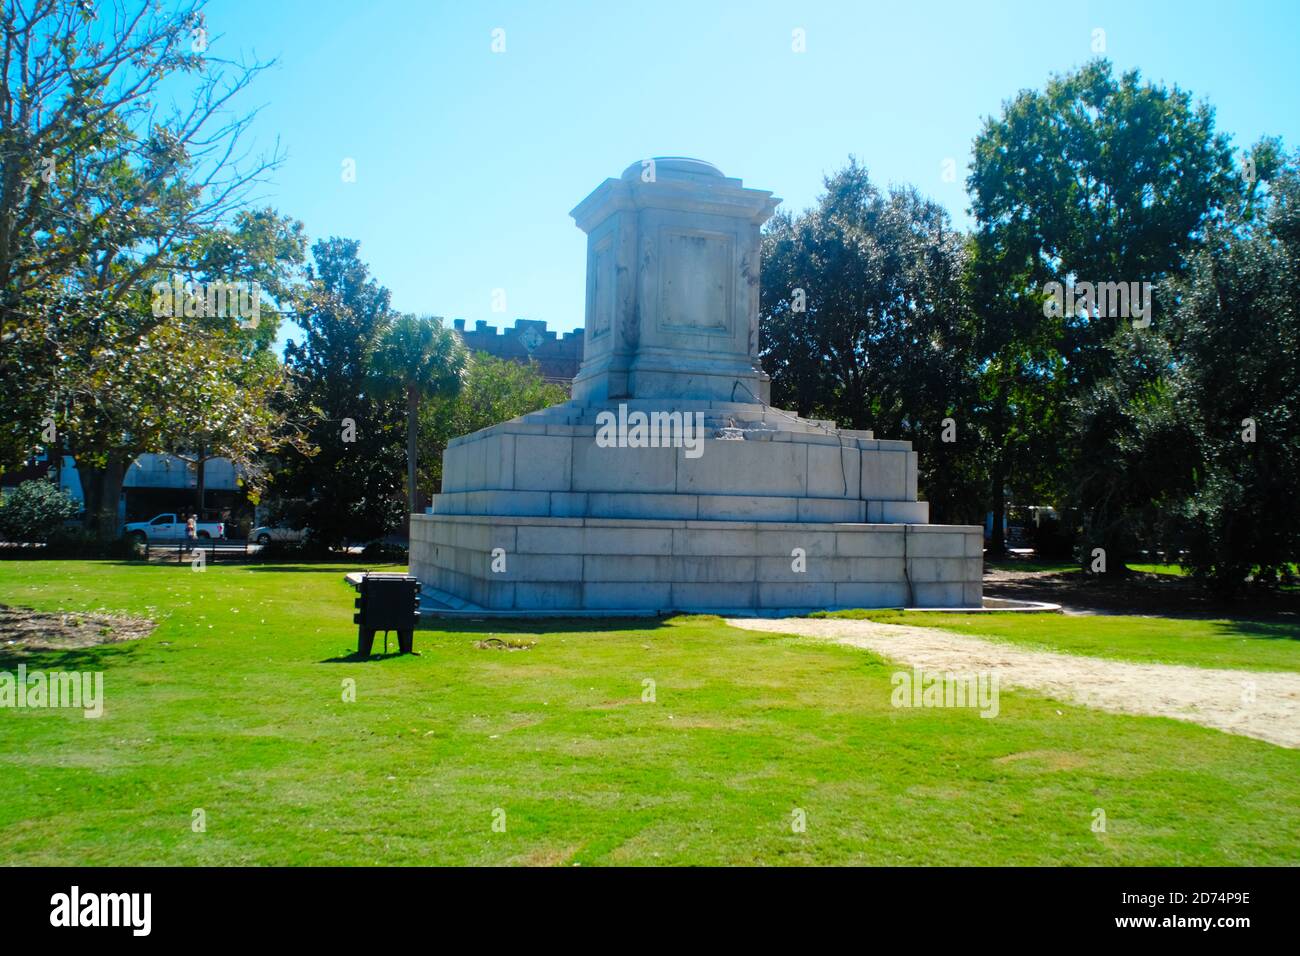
{"x":672,"y":284}
{"x":673,"y":167}
{"x":674,"y":182}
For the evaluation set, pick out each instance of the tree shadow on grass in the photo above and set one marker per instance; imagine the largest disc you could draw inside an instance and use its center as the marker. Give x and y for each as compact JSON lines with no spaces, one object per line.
{"x":374,"y":658}
{"x":317,"y":568}
{"x":1145,"y":593}
{"x":100,"y":657}
{"x":1258,"y":630}
{"x":541,"y":625}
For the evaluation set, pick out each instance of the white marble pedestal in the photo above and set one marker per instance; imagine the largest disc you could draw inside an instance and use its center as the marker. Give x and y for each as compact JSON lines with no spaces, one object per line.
{"x":769,"y":512}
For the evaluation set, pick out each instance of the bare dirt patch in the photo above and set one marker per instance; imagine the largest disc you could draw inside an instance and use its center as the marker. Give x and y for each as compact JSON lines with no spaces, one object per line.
{"x":503,"y":644}
{"x":547,"y":856}
{"x":1047,"y":759}
{"x":1251,"y":703}
{"x":22,"y":629}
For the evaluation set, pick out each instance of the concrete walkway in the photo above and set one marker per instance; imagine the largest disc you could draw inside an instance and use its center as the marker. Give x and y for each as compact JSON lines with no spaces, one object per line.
{"x":1265,"y":705}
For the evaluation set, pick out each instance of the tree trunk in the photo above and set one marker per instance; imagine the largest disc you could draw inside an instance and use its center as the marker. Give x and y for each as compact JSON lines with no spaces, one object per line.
{"x":1112,"y":541}
{"x":998,"y":538}
{"x":998,"y":476}
{"x":114,"y":474}
{"x":56,"y":459}
{"x":92,"y":491}
{"x":412,"y":418}
{"x":200,"y":465}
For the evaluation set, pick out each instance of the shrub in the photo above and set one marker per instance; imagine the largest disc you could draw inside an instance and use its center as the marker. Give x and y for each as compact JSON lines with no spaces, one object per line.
{"x":70,"y":542}
{"x":81,"y":543}
{"x":34,"y":511}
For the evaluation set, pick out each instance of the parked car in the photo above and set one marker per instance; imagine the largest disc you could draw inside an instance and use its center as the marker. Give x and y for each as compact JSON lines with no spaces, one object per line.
{"x":169,"y":526}
{"x":268,"y":533}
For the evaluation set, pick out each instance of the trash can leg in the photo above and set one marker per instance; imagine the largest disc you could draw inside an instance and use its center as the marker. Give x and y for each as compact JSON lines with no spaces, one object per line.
{"x":365,"y":641}
{"x":406,"y":641}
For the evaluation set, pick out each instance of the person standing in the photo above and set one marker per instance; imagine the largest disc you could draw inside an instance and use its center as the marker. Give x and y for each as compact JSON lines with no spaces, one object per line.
{"x":191,"y":532}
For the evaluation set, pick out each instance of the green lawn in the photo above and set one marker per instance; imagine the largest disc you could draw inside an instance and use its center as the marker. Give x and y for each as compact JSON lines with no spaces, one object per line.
{"x":234,"y":705}
{"x":1175,"y":569}
{"x":1071,"y":567}
{"x":1246,"y":645}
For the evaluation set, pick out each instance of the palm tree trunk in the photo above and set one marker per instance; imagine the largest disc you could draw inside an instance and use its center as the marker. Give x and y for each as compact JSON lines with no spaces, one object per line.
{"x":412,"y":417}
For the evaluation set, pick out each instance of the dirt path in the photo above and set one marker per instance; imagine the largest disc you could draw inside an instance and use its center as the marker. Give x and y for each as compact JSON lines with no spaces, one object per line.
{"x":1212,"y":698}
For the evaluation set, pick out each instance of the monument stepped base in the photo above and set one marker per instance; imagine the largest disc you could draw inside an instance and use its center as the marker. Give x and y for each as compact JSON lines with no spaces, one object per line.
{"x":652,"y":566}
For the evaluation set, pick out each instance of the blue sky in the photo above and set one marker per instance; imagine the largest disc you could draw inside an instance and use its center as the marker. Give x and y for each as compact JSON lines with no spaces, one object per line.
{"x":468,"y":161}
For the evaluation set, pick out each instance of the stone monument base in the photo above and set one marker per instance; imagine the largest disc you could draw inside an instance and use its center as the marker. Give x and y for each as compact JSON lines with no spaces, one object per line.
{"x":589,"y":564}
{"x":761,"y":510}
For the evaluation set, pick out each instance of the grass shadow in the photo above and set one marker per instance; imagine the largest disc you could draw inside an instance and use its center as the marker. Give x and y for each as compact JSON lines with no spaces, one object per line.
{"x":323,"y":566}
{"x":98,"y":657}
{"x":1258,"y":630}
{"x":542,"y":625}
{"x":355,"y":658}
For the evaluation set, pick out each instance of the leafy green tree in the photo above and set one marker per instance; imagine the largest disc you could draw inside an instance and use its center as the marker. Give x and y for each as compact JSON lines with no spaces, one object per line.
{"x":259,"y":247}
{"x":495,"y":390}
{"x":228,"y":396}
{"x":182,"y":387}
{"x":102,"y":193}
{"x":864,"y":321}
{"x":1095,"y":179}
{"x":1017,"y":407}
{"x":1135,"y":455}
{"x":34,"y":511}
{"x":136,"y":377}
{"x":226,"y":405}
{"x":1237,"y":385}
{"x":351,"y":477}
{"x":416,"y":359}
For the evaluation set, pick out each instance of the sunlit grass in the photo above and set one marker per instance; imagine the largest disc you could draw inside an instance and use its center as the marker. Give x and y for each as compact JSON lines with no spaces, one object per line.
{"x":622,"y":742}
{"x":1232,"y":643}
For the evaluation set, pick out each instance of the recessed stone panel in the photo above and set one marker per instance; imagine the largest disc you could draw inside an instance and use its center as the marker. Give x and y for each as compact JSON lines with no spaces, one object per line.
{"x":695,"y":278}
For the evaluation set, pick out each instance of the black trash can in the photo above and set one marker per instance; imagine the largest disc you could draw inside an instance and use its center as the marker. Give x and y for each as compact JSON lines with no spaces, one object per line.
{"x":387,"y":602}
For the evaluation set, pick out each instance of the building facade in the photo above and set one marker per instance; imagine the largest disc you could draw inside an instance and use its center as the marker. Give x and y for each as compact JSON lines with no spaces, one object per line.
{"x":153,"y":484}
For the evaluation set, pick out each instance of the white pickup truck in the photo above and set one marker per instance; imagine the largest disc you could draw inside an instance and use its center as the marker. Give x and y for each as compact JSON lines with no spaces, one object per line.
{"x":168,"y":527}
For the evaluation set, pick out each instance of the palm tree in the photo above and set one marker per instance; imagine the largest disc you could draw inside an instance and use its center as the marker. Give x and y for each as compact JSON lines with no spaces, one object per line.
{"x":417,"y":358}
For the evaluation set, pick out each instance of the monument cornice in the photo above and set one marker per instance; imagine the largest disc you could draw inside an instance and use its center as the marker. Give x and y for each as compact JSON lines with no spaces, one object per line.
{"x":615,"y":195}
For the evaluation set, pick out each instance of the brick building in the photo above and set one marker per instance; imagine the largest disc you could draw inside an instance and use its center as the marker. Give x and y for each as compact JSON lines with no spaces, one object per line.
{"x":557,"y":355}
